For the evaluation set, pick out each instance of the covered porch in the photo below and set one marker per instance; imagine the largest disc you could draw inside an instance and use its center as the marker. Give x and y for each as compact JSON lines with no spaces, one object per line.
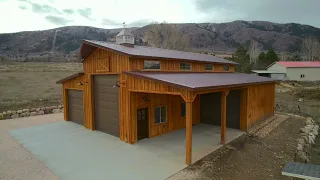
{"x":206,"y":138}
{"x":164,"y":89}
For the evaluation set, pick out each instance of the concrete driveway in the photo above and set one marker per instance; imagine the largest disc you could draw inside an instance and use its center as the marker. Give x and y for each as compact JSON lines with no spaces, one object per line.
{"x":72,"y":152}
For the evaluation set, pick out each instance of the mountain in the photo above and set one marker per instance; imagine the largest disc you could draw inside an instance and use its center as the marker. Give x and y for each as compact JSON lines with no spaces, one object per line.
{"x":63,"y":43}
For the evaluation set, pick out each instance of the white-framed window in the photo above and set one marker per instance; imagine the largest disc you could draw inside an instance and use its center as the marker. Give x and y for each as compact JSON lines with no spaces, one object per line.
{"x":185,"y":66}
{"x":160,"y":114}
{"x":208,"y":67}
{"x":183,"y":109}
{"x":151,"y":64}
{"x":226,"y":67}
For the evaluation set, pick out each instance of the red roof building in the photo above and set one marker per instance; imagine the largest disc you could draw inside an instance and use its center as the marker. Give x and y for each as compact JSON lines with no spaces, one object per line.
{"x":297,"y":70}
{"x":297,"y":64}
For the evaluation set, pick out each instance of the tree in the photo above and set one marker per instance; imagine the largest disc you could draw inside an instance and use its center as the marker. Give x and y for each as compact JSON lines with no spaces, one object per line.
{"x":242,"y":57}
{"x":311,"y":47}
{"x":271,"y":56}
{"x":254,"y":51}
{"x":296,"y":57}
{"x":262,"y":56}
{"x":168,"y":36}
{"x":284,"y":57}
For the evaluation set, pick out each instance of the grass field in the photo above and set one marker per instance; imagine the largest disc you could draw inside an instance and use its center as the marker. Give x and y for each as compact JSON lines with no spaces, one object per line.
{"x":25,"y":85}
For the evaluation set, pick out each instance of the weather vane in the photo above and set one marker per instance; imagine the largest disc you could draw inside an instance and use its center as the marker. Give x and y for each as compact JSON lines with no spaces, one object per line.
{"x":124,"y":25}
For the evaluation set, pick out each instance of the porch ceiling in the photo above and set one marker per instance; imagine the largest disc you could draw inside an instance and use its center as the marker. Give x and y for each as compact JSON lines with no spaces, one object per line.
{"x":199,"y":81}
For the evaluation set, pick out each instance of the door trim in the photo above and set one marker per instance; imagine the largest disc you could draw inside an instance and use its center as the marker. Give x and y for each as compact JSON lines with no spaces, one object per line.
{"x":147,"y":121}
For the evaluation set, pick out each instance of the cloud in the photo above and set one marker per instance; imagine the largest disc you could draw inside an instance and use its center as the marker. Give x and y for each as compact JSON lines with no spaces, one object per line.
{"x":140,"y":22}
{"x":283,"y":11}
{"x":57,"y":20}
{"x":38,"y":8}
{"x":137,"y":23}
{"x":23,"y":7}
{"x":109,"y":22}
{"x":68,"y":11}
{"x":86,"y":12}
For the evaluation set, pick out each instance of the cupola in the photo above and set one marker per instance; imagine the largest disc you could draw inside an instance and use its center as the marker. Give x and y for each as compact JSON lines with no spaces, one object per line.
{"x":126,"y":38}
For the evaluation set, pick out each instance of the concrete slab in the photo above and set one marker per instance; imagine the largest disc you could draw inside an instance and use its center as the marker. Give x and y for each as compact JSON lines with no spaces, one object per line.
{"x":73,"y":152}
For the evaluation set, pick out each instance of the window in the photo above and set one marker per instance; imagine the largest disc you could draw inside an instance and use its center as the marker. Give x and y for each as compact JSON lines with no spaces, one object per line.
{"x":302,"y":75}
{"x":160,"y":114}
{"x":185,"y":66}
{"x":183,"y":109}
{"x":151,"y":64}
{"x":209,"y":67}
{"x":226,"y":67}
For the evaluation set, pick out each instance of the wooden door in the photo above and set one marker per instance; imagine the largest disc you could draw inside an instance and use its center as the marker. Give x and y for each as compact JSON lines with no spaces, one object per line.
{"x":142,"y":123}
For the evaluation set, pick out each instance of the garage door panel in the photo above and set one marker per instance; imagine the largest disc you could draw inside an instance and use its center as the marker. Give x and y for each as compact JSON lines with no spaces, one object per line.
{"x":75,"y":106}
{"x":106,"y":104}
{"x":108,"y":97}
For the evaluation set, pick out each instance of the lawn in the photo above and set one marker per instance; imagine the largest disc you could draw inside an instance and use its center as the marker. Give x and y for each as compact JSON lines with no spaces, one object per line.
{"x":25,"y":85}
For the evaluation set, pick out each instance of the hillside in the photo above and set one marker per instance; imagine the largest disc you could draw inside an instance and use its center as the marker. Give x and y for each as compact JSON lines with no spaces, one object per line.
{"x":63,"y":43}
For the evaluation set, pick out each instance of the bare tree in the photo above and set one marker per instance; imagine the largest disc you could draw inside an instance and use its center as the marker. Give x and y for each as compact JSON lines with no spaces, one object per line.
{"x":284,"y":57}
{"x":168,"y":36}
{"x":254,"y":52}
{"x":311,"y":47}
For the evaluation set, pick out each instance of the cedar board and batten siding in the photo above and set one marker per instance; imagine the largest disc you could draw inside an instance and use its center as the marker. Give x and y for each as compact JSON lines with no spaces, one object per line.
{"x":106,"y":62}
{"x":70,"y":84}
{"x":257,"y":103}
{"x":173,"y":105}
{"x":137,"y":64}
{"x":103,"y":62}
{"x":260,"y":103}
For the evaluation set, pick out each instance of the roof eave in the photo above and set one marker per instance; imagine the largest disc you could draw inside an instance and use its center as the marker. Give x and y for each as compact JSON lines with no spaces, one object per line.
{"x":61,"y":81}
{"x":103,"y":47}
{"x":192,"y":89}
{"x":153,"y":57}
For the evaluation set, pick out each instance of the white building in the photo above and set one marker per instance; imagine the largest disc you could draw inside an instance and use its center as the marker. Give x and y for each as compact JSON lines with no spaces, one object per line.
{"x":293,"y":70}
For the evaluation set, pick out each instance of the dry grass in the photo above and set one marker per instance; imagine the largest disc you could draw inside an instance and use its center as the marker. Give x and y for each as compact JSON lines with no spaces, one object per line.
{"x":24,"y":85}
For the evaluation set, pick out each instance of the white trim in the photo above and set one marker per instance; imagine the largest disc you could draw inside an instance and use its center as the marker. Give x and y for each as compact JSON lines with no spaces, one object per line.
{"x":160,"y":114}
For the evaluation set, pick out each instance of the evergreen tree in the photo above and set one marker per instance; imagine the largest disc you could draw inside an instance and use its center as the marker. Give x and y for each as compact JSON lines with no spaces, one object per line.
{"x":242,"y":57}
{"x":271,"y":56}
{"x":262,"y":56}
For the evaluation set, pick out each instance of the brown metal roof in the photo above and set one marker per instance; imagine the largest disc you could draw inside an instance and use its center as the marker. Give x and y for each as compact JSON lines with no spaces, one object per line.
{"x":143,"y":51}
{"x":196,"y":81}
{"x":69,"y":77}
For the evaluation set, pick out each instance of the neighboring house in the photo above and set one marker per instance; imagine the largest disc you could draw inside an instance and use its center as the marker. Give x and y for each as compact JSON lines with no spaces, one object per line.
{"x":270,"y":74}
{"x":297,"y":70}
{"x":134,"y":92}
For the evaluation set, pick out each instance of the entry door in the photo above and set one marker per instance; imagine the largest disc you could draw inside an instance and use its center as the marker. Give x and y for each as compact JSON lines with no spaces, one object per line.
{"x":142,"y":122}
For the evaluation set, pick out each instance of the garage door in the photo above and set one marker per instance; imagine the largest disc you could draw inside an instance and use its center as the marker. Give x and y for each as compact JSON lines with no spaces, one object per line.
{"x":210,"y":109}
{"x":75,"y":106}
{"x":106,"y":104}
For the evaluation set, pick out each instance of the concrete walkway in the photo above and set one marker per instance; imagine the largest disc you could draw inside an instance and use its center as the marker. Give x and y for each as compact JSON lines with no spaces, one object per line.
{"x":73,"y":152}
{"x":17,"y":162}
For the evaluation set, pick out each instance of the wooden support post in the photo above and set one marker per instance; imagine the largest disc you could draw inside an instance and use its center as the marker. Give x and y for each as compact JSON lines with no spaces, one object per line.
{"x":189,"y":132}
{"x":65,"y":103}
{"x":224,"y":95}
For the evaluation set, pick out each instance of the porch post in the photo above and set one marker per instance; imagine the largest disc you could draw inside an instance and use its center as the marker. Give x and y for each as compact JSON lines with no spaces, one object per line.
{"x":224,"y":95}
{"x":189,"y":132}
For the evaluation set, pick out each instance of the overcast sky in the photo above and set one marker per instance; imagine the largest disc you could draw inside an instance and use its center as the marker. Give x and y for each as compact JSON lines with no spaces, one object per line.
{"x":24,"y":15}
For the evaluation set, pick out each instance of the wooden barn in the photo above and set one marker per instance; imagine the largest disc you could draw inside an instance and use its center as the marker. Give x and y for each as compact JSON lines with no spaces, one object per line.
{"x":134,"y":92}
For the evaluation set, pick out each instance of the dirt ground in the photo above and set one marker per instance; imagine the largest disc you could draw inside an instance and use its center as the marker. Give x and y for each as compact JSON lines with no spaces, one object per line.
{"x":15,"y":161}
{"x":25,"y":85}
{"x":249,"y":158}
